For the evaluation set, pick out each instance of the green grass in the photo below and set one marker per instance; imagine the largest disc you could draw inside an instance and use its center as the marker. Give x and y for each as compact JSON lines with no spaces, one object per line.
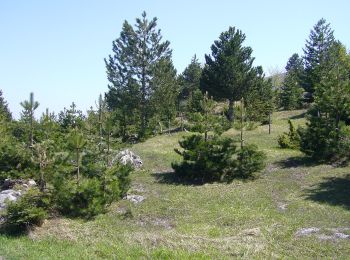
{"x":253,"y":219}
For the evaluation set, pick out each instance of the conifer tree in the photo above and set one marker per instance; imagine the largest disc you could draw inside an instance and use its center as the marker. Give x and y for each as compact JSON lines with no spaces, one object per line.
{"x":4,"y":110}
{"x":190,"y":78}
{"x":291,"y":91}
{"x":227,"y":70}
{"x":326,"y":136}
{"x":166,"y":90}
{"x":258,"y":98}
{"x":29,"y":107}
{"x":131,"y":67}
{"x":320,"y":39}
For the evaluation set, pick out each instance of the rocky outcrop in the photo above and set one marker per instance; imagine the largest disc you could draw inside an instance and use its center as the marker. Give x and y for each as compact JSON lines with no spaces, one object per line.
{"x":127,"y":156}
{"x":13,"y":189}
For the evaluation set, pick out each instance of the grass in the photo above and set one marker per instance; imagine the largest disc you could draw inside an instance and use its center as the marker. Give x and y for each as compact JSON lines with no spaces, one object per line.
{"x":253,"y":219}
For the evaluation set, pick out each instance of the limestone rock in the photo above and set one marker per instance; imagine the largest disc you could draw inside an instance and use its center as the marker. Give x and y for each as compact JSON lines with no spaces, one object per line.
{"x":135,"y":198}
{"x":127,"y":156}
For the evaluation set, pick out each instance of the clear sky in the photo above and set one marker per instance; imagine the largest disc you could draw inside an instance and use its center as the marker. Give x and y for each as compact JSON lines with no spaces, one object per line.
{"x":56,"y":48}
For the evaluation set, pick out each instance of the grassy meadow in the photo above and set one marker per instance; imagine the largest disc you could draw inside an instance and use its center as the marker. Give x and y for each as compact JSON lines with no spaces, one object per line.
{"x":294,"y":209}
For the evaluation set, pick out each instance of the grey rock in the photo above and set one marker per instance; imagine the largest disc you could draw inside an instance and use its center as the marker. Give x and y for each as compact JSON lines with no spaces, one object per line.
{"x":307,"y":231}
{"x":341,"y":235}
{"x":31,"y":183}
{"x":135,"y":198}
{"x":8,"y":195}
{"x":127,"y":156}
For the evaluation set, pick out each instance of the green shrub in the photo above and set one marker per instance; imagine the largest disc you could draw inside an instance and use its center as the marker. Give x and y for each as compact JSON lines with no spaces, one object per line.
{"x":250,"y":160}
{"x":323,"y":142}
{"x":15,"y":160}
{"x":84,"y":200}
{"x":92,"y":195}
{"x":205,"y":160}
{"x":216,"y":159}
{"x":291,"y":139}
{"x":117,"y":181}
{"x":28,"y":211}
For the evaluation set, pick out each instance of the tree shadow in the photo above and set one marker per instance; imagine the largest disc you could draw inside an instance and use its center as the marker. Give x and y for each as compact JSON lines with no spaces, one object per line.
{"x":297,"y":161}
{"x":172,"y":178}
{"x":333,"y":190}
{"x":300,"y":116}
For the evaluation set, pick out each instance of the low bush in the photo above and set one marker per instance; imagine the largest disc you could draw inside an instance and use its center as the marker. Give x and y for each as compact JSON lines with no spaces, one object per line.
{"x":291,"y":139}
{"x":85,"y":199}
{"x":91,"y":196}
{"x":216,"y":159}
{"x":28,"y":211}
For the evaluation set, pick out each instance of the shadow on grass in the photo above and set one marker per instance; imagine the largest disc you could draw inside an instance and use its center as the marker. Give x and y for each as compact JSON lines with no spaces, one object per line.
{"x":333,"y":190}
{"x":300,"y":116}
{"x":12,"y":232}
{"x":297,"y":161}
{"x":172,"y":178}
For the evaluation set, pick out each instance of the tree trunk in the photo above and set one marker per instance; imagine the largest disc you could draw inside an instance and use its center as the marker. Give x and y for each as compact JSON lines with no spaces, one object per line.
{"x":182,"y":122}
{"x":108,"y":141}
{"x":169,"y":126}
{"x":230,"y":110}
{"x":78,"y":166}
{"x":242,"y":101}
{"x":42,"y":183}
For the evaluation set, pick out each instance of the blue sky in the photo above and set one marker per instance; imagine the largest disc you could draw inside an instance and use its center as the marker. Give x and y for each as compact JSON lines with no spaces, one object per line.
{"x":56,"y":48}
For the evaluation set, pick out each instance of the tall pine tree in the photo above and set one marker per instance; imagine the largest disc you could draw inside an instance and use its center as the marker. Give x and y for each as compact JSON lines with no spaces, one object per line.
{"x":166,"y":90}
{"x":316,"y":48}
{"x":190,"y":78}
{"x":291,"y":95}
{"x":327,"y":136}
{"x":131,"y":67}
{"x":227,"y":71}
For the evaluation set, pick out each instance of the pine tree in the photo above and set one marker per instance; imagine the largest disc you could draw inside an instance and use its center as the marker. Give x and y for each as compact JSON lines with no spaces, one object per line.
{"x":4,"y":110}
{"x":291,"y":92}
{"x":320,"y":39}
{"x":77,"y":142}
{"x":166,"y":90}
{"x":258,"y":99}
{"x":327,"y":136}
{"x":131,"y":67}
{"x":227,"y":70}
{"x":71,"y":118}
{"x":29,"y":107}
{"x":190,"y":78}
{"x":332,"y":94}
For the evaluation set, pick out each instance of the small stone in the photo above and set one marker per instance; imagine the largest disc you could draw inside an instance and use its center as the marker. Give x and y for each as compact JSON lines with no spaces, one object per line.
{"x":341,"y":235}
{"x":307,"y":231}
{"x":31,"y":183}
{"x":135,"y":198}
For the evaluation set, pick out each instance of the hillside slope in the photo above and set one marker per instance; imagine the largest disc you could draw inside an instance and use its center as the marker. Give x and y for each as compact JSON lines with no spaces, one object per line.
{"x":294,"y":209}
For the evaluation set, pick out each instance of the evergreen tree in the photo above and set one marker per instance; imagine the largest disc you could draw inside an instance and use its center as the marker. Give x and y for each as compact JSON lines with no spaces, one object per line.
{"x":291,"y":92}
{"x":77,"y":142}
{"x":315,"y":51}
{"x":166,"y":90}
{"x":190,"y":78}
{"x":4,"y":110}
{"x":131,"y":67}
{"x":327,"y":136}
{"x":29,"y":107}
{"x":258,"y":100}
{"x":227,"y":70}
{"x":332,"y":93}
{"x":71,"y":118}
